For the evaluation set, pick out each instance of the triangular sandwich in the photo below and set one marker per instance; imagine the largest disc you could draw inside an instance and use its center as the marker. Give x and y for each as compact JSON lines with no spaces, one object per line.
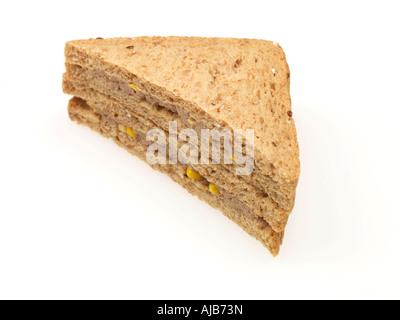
{"x":135,"y":90}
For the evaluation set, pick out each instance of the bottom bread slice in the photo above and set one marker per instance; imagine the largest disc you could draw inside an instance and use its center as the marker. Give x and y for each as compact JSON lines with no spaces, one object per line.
{"x":82,"y":113}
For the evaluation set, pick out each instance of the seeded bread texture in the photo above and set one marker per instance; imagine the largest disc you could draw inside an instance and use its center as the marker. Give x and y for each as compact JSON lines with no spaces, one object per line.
{"x":236,"y":83}
{"x":84,"y":114}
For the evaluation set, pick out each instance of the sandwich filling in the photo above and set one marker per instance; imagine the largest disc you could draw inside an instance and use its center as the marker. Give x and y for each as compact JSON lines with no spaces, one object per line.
{"x":127,"y":102}
{"x":135,"y":142}
{"x":164,"y":111}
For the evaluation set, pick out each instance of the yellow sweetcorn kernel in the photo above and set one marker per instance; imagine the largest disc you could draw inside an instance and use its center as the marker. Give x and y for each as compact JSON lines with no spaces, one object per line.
{"x":134,"y":87}
{"x":192,"y":122}
{"x":213,"y":188}
{"x":192,"y":174}
{"x":122,"y":128}
{"x":130,"y":132}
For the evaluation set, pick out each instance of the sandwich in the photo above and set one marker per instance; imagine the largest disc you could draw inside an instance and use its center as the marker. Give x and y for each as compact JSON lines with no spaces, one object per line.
{"x":214,"y":114}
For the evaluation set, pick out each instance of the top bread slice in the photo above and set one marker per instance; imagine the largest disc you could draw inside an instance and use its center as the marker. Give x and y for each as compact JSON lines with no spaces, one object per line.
{"x":230,"y":83}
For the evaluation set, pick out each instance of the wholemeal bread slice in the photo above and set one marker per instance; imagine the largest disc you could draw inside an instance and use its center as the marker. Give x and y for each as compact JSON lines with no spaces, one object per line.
{"x":201,"y":83}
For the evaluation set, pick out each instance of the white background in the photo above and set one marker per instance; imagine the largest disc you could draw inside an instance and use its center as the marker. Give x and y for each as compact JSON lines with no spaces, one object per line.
{"x":80,"y":218}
